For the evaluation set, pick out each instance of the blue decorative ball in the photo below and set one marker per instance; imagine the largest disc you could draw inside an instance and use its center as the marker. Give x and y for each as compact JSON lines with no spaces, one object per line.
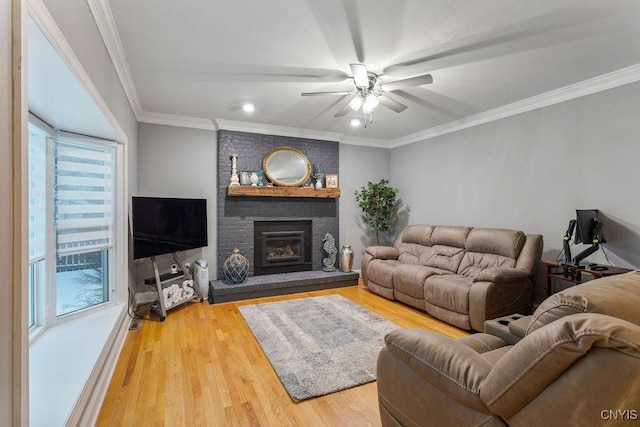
{"x":236,"y":267}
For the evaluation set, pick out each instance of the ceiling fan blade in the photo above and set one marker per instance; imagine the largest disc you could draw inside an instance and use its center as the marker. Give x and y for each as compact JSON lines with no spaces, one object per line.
{"x":339,"y":93}
{"x":412,"y":81}
{"x":391,"y":104}
{"x":353,"y":19}
{"x":360,"y":76}
{"x":344,"y":110}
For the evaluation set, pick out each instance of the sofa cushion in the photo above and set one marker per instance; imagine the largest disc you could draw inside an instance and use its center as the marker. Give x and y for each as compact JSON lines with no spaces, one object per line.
{"x":498,"y":241}
{"x":418,"y":234}
{"x":411,"y":253}
{"x":617,"y":296}
{"x":490,"y":247}
{"x":442,"y":257}
{"x":474,"y":262}
{"x":450,"y":235}
{"x":450,"y":292}
{"x":381,"y":271}
{"x":409,"y":279}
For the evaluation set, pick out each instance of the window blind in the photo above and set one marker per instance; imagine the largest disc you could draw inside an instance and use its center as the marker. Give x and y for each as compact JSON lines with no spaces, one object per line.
{"x":37,"y":193}
{"x":83,"y":197}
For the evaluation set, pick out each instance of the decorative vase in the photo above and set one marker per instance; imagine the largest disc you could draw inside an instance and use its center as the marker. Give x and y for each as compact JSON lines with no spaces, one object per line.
{"x":236,"y":267}
{"x":254,"y":179}
{"x":346,"y":258}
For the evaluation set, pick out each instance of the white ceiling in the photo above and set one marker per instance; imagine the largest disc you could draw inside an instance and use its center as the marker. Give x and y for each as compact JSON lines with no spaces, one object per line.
{"x":194,"y":62}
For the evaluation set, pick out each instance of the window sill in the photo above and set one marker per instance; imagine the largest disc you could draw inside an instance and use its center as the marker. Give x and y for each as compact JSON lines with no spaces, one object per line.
{"x":61,"y":361}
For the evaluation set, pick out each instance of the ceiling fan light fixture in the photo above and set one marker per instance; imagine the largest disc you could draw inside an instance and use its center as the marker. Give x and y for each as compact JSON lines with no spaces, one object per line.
{"x":356,"y":103}
{"x":370,"y":103}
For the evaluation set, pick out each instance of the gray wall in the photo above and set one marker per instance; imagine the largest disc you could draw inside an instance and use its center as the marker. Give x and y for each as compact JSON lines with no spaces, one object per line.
{"x":178,"y":162}
{"x":533,"y":170}
{"x":358,"y":166}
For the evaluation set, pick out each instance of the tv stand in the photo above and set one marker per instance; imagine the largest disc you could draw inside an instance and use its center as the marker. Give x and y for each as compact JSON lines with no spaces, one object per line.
{"x":164,"y":277}
{"x":165,"y":280}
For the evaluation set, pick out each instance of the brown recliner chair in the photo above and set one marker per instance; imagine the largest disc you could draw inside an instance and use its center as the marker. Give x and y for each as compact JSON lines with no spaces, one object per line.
{"x":577,"y":364}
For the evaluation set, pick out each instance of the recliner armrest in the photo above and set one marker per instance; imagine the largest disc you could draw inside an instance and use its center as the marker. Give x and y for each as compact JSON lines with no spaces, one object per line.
{"x":450,"y":366}
{"x":382,"y":252}
{"x":544,"y":355}
{"x":501,"y":275}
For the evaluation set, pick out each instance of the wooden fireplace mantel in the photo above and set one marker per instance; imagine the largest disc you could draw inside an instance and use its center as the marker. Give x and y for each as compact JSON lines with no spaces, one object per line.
{"x":249,"y":191}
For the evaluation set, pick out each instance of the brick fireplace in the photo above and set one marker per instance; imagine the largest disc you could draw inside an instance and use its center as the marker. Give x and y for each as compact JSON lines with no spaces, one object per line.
{"x":236,"y":215}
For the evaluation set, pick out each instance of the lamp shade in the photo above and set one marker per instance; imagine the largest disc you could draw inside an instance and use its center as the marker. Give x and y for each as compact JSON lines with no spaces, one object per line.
{"x":370,"y":103}
{"x":356,"y":102}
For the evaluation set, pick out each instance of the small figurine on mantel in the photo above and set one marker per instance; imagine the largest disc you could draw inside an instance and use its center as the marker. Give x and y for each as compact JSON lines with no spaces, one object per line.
{"x":329,"y":247}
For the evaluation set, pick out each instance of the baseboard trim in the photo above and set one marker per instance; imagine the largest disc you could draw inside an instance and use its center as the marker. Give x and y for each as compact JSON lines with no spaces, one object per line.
{"x":87,"y":407}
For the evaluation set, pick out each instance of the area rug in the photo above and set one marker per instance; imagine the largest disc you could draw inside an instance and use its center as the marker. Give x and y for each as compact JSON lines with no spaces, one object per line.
{"x":318,"y":345}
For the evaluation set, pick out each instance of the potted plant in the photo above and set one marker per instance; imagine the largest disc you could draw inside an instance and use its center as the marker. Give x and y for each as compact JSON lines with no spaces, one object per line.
{"x":378,"y":202}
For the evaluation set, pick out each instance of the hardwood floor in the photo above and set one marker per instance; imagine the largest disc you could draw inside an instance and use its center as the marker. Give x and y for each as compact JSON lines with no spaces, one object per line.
{"x":202,"y":367}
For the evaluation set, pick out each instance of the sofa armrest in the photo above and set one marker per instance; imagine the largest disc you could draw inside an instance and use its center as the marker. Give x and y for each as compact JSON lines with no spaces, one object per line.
{"x":450,"y":366}
{"x":501,"y":275}
{"x":544,"y":355}
{"x":382,"y":252}
{"x":511,"y":292}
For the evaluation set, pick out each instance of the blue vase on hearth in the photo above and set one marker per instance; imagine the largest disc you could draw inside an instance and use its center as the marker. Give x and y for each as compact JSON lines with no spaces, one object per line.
{"x":236,"y":267}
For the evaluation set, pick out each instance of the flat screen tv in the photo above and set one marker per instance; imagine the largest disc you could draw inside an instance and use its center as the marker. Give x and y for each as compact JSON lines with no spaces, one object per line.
{"x":166,"y":225}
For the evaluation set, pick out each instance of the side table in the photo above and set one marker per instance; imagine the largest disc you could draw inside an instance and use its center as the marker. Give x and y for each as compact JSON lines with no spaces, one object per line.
{"x":557,"y":271}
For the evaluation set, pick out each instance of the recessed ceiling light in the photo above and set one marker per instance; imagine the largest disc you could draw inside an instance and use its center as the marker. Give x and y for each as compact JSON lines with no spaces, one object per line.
{"x":355,"y":122}
{"x":248,"y":107}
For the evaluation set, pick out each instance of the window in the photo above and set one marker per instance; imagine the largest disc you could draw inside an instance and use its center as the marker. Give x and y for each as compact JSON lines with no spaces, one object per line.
{"x":37,"y":175}
{"x":71,"y":231}
{"x":83,"y":224}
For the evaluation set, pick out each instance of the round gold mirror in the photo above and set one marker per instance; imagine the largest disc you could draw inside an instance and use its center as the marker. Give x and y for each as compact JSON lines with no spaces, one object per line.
{"x":286,"y":166}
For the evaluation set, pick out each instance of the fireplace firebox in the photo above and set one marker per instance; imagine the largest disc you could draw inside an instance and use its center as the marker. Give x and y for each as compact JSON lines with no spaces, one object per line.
{"x":281,"y":246}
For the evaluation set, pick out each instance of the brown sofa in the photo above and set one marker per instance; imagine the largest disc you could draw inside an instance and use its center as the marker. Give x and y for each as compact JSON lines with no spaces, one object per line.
{"x":461,"y":275}
{"x":578,"y":364}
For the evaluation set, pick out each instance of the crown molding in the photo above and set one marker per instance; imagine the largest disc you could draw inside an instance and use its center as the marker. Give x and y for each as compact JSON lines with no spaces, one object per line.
{"x":365,"y":142}
{"x":43,"y":19}
{"x":277,"y":130}
{"x":174,"y":120}
{"x":587,"y":87}
{"x":108,"y":30}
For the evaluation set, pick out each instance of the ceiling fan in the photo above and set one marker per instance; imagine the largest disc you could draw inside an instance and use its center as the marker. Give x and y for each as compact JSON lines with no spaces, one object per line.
{"x":369,"y":93}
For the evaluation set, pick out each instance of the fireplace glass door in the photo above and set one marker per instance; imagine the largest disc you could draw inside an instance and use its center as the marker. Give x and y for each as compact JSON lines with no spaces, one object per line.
{"x":282,"y":247}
